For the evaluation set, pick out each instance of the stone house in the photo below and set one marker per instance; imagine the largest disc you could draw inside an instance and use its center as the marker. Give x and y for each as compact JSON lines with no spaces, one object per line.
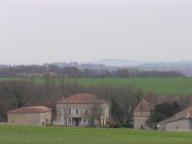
{"x":37,"y":115}
{"x":82,"y":110}
{"x":181,"y":121}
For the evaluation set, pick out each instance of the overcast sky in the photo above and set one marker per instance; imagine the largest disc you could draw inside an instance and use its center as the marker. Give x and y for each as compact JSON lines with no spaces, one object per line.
{"x":37,"y":31}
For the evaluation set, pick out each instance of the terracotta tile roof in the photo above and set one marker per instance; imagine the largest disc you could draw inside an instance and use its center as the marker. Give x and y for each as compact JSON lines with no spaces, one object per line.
{"x":82,"y":98}
{"x":29,"y":110}
{"x":185,"y":114}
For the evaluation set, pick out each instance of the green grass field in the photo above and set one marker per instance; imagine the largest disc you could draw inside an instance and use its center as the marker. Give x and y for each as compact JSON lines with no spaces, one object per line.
{"x":162,"y":86}
{"x":59,"y":135}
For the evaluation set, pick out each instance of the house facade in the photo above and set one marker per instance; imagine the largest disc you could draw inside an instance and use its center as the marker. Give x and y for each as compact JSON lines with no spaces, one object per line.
{"x":181,"y":121}
{"x":82,"y":110}
{"x":37,"y":115}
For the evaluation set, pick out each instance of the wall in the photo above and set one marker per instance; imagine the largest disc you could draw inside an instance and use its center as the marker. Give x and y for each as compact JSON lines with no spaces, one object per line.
{"x":46,"y":118}
{"x":30,"y":119}
{"x":179,"y":125}
{"x":64,"y":115}
{"x":140,"y":119}
{"x":24,"y":119}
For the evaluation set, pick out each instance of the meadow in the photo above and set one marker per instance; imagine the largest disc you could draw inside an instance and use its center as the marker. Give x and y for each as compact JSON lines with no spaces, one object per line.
{"x":59,"y":135}
{"x":162,"y":86}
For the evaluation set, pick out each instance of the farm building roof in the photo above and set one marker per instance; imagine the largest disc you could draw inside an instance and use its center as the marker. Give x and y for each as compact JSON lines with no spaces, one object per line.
{"x":185,"y":114}
{"x":29,"y":110}
{"x":82,"y":98}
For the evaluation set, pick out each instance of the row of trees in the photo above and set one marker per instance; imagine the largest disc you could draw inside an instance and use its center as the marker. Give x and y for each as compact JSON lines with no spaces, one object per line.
{"x":14,"y":71}
{"x":18,"y":93}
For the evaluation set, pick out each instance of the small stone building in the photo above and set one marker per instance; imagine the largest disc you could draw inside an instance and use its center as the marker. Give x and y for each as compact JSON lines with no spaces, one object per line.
{"x":37,"y":115}
{"x":82,"y":110}
{"x":144,"y":109}
{"x":141,"y":114}
{"x":181,"y":121}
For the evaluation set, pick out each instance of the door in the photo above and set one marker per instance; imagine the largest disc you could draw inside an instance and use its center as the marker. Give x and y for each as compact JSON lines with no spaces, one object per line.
{"x":77,"y":122}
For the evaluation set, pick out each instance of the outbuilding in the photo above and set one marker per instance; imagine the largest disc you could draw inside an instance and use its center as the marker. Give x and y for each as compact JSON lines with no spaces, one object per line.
{"x":181,"y":121}
{"x":37,"y":115}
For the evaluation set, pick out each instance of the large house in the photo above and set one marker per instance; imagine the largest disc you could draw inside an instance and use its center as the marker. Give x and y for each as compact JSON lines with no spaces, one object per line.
{"x":37,"y":115}
{"x":181,"y":121}
{"x":82,"y":110}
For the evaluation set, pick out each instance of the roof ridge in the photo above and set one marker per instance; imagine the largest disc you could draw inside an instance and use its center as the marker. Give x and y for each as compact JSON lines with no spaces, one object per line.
{"x":31,"y":109}
{"x":82,"y":98}
{"x":185,"y":113}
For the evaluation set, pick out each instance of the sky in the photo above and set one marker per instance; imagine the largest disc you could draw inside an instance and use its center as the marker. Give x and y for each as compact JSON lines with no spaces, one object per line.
{"x":38,"y":31}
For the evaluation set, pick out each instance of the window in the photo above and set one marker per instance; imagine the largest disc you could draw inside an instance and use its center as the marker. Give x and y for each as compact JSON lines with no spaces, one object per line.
{"x":70,"y":111}
{"x":77,"y":111}
{"x":74,"y":111}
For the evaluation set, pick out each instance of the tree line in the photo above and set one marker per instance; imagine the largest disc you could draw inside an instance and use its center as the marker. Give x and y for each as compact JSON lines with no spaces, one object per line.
{"x":72,"y":71}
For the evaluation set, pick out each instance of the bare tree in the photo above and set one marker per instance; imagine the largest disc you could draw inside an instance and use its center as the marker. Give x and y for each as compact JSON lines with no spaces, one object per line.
{"x":20,"y":90}
{"x":94,"y":114}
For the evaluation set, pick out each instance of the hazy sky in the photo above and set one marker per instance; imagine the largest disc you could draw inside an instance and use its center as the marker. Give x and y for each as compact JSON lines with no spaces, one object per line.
{"x":37,"y":31}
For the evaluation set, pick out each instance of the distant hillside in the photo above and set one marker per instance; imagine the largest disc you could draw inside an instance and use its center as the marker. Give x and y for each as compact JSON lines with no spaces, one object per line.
{"x":119,"y":62}
{"x":103,"y":67}
{"x":184,"y":66}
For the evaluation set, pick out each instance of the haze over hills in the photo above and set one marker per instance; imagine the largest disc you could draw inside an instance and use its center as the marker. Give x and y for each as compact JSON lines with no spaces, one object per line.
{"x":181,"y":66}
{"x":125,"y":62}
{"x":119,"y":62}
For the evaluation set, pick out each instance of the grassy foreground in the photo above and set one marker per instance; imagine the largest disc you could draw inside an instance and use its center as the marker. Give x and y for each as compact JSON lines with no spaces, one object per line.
{"x":58,"y":135}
